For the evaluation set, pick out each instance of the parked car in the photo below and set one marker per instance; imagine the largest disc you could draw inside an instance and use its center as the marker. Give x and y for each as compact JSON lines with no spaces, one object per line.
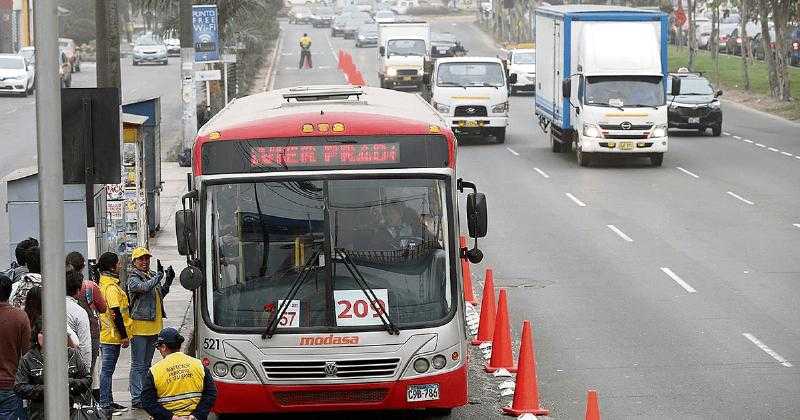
{"x":697,"y":107}
{"x":367,"y":35}
{"x":322,"y":17}
{"x":794,"y":46}
{"x":16,"y":75}
{"x":733,"y":44}
{"x":173,"y":47}
{"x":725,"y":30}
{"x":29,"y":53}
{"x":71,"y":50}
{"x":757,"y":44}
{"x":64,"y":70}
{"x":149,"y":49}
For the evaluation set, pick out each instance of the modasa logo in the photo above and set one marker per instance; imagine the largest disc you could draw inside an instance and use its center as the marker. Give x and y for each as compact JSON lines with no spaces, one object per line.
{"x":327,"y":340}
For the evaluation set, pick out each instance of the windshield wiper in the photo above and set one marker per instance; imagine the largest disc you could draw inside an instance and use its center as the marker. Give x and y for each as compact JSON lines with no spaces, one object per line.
{"x":391,"y":328}
{"x":487,"y":84}
{"x":606,"y":104}
{"x":451,"y":84}
{"x":287,"y":300}
{"x":643,"y":106}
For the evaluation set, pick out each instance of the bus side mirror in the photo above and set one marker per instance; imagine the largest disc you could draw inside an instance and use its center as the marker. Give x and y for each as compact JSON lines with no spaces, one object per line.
{"x":476,"y":215}
{"x":191,"y":278}
{"x":382,"y":51}
{"x":675,"y":90}
{"x":185,"y":231}
{"x":566,"y":88}
{"x":512,"y":78}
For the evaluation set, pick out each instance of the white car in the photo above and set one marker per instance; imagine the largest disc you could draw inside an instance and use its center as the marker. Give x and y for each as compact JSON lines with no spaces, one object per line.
{"x":16,"y":74}
{"x":471,"y":94}
{"x":522,"y":62}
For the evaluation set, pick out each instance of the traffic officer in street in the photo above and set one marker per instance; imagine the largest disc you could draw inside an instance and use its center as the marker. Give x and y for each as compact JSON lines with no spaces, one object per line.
{"x":178,"y":387}
{"x":305,"y":50}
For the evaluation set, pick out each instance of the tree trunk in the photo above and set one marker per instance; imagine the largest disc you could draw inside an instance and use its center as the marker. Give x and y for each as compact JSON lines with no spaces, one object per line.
{"x":714,"y":40}
{"x":780,"y":17}
{"x":745,"y":47}
{"x":691,"y":40}
{"x":764,"y":15}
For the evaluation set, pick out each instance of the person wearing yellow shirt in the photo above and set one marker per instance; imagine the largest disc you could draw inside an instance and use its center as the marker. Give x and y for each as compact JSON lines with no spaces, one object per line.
{"x":146,"y":293}
{"x":114,"y":325}
{"x":305,"y":50}
{"x":178,"y":387}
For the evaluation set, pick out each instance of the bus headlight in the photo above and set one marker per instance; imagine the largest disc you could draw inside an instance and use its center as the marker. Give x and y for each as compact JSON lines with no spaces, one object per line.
{"x":221,"y":369}
{"x":659,"y":131}
{"x":238,"y":371}
{"x":421,"y":365}
{"x":439,"y":361}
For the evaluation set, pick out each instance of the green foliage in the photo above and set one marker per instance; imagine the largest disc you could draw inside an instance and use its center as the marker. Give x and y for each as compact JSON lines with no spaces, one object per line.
{"x":78,"y":24}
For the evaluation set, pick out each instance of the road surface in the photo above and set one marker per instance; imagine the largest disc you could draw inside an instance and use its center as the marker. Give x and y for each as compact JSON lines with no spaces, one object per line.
{"x":18,"y":120}
{"x":672,"y":291}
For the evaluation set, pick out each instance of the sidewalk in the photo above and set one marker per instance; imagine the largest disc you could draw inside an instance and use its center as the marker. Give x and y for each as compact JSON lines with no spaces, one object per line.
{"x":177,"y":304}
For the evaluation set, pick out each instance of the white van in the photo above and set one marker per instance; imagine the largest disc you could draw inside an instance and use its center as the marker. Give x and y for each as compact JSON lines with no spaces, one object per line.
{"x":471,"y":94}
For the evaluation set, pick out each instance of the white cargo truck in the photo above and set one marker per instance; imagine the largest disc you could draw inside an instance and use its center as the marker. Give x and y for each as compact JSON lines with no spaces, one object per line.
{"x":403,"y":54}
{"x":601,"y":80}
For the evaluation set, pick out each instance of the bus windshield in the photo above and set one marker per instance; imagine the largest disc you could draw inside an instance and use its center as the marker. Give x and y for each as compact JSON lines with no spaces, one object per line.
{"x":265,"y":234}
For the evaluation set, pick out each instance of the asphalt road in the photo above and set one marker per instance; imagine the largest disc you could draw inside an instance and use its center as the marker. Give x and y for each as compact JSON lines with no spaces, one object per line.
{"x":18,"y":119}
{"x":672,"y":291}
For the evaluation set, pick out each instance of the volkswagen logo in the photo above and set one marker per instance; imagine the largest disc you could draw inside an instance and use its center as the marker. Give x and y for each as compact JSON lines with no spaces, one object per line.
{"x":626,"y":125}
{"x":471,"y":110}
{"x":331,"y":369}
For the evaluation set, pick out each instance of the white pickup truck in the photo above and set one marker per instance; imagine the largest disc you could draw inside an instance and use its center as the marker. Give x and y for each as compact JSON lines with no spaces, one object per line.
{"x":403,"y":53}
{"x":471,"y":94}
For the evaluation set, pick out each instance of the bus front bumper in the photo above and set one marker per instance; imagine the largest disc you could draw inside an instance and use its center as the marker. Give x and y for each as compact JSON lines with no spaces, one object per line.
{"x":235,"y":398}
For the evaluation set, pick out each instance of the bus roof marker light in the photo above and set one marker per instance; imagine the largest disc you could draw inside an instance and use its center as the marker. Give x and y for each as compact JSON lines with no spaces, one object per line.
{"x":338,"y":127}
{"x":214,"y":135}
{"x":307,"y":128}
{"x":435,"y":129}
{"x":323,"y":127}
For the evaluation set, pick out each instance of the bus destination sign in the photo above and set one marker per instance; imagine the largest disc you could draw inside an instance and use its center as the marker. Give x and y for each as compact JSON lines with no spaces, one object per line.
{"x":325,"y":155}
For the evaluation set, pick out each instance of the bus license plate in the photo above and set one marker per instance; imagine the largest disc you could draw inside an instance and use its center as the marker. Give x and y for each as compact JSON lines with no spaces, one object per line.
{"x":427,"y":392}
{"x":626,"y":145}
{"x":469,"y":123}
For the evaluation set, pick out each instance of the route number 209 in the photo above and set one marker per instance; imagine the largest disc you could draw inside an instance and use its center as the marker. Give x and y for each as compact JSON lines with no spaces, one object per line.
{"x":354,"y":308}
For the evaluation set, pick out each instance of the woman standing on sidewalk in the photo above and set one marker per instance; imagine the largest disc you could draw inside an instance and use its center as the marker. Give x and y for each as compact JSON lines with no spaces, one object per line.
{"x":114,"y":324}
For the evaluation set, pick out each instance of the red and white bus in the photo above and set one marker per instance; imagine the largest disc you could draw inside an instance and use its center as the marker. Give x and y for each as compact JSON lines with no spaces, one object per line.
{"x":322,"y":228}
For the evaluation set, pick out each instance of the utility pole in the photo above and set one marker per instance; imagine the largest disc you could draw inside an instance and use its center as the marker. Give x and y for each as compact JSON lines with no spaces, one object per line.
{"x":51,"y":208}
{"x":188,"y":94}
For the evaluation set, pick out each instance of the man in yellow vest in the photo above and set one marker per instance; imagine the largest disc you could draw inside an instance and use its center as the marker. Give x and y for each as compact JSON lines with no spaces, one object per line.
{"x":178,"y":387}
{"x":305,"y":50}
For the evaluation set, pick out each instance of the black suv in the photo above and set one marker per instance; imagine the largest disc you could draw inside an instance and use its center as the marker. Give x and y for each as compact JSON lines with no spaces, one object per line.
{"x":697,"y":107}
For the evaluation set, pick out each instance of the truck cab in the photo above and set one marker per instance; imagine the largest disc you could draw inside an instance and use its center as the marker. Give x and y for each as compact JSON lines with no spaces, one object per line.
{"x":522,"y":62}
{"x":403,"y":54}
{"x":471,"y":94}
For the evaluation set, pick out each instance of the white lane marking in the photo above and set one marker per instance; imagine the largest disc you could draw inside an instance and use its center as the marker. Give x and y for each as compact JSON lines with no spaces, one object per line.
{"x":575,"y":199}
{"x":772,"y":149}
{"x":786,"y":154}
{"x":289,"y":68}
{"x":797,"y":225}
{"x":287,"y":53}
{"x":737,"y":137}
{"x":760,"y":145}
{"x":688,"y":173}
{"x":11,"y":111}
{"x":678,"y":280}
{"x":738,"y":197}
{"x":767,"y":350}
{"x":798,"y":156}
{"x":541,"y":172}
{"x":748,"y":141}
{"x":726,"y":133}
{"x":620,"y":233}
{"x":512,"y":151}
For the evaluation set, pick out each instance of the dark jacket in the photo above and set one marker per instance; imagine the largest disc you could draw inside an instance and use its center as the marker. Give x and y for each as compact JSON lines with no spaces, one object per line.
{"x":30,"y":381}
{"x":158,"y":412}
{"x":145,"y":291}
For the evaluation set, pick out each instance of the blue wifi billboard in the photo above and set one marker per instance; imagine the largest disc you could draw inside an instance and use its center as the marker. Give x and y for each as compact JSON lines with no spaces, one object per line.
{"x":206,"y":33}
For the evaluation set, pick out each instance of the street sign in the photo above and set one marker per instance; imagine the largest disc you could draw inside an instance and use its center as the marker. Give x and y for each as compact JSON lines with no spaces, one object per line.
{"x":205,"y":33}
{"x":207,"y":75}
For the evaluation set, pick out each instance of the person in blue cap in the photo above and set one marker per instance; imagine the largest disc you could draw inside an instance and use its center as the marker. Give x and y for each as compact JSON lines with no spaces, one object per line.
{"x":178,"y":387}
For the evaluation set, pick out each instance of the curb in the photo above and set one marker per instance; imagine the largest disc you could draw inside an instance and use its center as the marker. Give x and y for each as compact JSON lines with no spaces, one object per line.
{"x":269,"y":81}
{"x":760,"y":112}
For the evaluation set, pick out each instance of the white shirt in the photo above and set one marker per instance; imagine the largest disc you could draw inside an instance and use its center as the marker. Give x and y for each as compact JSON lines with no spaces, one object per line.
{"x":78,"y":320}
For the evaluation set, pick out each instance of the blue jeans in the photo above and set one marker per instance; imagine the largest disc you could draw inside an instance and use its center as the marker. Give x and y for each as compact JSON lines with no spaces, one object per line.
{"x":11,"y":406}
{"x":108,"y":363}
{"x":142,"y":349}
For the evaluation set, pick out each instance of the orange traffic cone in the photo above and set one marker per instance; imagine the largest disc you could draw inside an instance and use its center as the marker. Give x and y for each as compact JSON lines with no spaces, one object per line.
{"x":469,"y":295}
{"x":486,"y":325}
{"x":592,"y":407}
{"x":526,"y":393}
{"x":502,"y":358}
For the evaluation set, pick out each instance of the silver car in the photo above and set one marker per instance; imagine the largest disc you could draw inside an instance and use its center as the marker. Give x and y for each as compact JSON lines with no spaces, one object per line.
{"x":149,"y":49}
{"x":16,"y":75}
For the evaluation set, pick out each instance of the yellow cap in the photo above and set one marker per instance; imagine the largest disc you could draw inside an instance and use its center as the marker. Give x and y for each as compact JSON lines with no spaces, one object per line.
{"x":139,"y":252}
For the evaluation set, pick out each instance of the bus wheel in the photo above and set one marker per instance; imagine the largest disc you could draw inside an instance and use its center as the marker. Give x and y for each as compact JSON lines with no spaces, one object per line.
{"x":656,"y":159}
{"x":584,"y":159}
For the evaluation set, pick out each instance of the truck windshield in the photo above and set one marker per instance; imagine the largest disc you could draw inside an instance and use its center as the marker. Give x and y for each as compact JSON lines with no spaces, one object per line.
{"x":621,"y":91}
{"x":524,"y":58}
{"x":406,"y":47}
{"x":393,"y":230}
{"x":470,"y":74}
